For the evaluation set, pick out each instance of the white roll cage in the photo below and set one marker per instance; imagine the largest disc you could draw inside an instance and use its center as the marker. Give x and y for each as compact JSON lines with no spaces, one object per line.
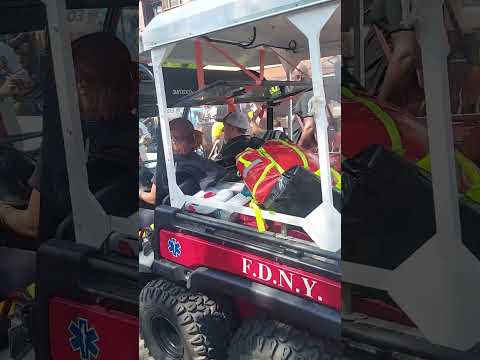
{"x":165,"y":36}
{"x":436,"y":282}
{"x":92,"y":224}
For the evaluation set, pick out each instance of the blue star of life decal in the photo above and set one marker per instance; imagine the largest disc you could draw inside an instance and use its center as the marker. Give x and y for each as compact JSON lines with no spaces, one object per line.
{"x":84,"y":339}
{"x":174,"y":247}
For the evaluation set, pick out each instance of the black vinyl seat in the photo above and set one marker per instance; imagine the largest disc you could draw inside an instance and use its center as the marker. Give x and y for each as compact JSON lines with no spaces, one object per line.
{"x":111,"y":202}
{"x":112,"y":167}
{"x":112,"y":179}
{"x":389,"y":210}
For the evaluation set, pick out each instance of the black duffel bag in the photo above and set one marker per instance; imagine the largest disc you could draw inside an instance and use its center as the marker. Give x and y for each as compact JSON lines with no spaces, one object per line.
{"x":389,"y":209}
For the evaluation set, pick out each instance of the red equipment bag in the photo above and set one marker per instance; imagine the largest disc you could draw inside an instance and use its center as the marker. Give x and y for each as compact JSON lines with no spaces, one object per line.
{"x":261,"y":168}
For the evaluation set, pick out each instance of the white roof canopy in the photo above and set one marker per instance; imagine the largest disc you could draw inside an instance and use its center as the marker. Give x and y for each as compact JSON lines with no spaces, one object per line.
{"x":233,"y":20}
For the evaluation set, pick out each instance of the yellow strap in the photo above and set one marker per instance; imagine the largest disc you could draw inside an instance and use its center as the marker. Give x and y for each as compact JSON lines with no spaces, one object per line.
{"x":258,"y":216}
{"x":425,"y":163}
{"x":31,"y":290}
{"x":385,"y":118}
{"x":262,"y":177}
{"x":174,"y":65}
{"x":273,"y":163}
{"x":265,"y":154}
{"x":474,"y":194}
{"x":338,"y":179}
{"x":245,"y":162}
{"x":336,"y":175}
{"x":468,"y":168}
{"x":299,"y":153}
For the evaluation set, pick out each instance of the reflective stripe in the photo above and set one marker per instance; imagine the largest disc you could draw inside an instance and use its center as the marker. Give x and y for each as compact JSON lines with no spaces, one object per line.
{"x":336,"y":175}
{"x":173,"y":65}
{"x":263,"y":153}
{"x":299,"y":153}
{"x":258,"y":216}
{"x":385,"y":118}
{"x":245,"y":163}
{"x":31,"y":290}
{"x":469,"y":169}
{"x":260,"y":180}
{"x":247,"y":169}
{"x":338,"y":179}
{"x":424,"y":163}
{"x":474,"y":194}
{"x":273,"y":164}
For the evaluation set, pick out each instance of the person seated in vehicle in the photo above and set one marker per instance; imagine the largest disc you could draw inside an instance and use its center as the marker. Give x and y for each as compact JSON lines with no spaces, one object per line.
{"x":145,"y":137}
{"x":390,"y":77}
{"x":105,"y":89}
{"x":217,"y":139}
{"x":393,"y":63}
{"x":258,"y":124}
{"x":236,"y":126}
{"x":24,"y":85}
{"x":304,"y":128}
{"x":188,"y":164}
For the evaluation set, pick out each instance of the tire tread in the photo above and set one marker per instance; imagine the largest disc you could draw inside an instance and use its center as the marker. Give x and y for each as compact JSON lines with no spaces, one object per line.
{"x":273,"y":340}
{"x":205,"y":325}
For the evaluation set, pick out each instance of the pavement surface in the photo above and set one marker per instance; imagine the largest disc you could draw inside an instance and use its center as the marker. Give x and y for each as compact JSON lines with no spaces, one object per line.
{"x":142,"y":351}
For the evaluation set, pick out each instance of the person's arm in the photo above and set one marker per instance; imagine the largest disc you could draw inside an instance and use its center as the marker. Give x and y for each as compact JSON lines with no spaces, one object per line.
{"x":149,"y":197}
{"x":402,"y":64}
{"x":146,"y":140}
{"x":146,"y":137}
{"x":215,"y":149}
{"x":307,"y":139}
{"x":23,"y":222}
{"x":13,"y":87}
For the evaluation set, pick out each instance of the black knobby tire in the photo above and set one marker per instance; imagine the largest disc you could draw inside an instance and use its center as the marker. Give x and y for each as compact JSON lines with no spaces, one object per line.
{"x":273,"y":340}
{"x":203,"y":328}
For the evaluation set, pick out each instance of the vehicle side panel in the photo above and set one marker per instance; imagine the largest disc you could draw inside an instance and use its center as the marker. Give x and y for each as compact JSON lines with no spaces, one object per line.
{"x":80,"y":331}
{"x":193,"y":252}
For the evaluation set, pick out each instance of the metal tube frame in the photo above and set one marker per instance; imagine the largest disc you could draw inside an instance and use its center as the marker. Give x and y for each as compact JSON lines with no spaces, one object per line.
{"x":428,"y":286}
{"x":323,"y":224}
{"x":92,"y":224}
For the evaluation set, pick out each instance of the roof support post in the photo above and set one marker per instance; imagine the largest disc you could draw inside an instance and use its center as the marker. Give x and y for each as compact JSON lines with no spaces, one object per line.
{"x":199,"y":64}
{"x":325,"y":221}
{"x":435,"y":48}
{"x":261,"y":55}
{"x":288,"y":70}
{"x":91,"y":223}
{"x":159,"y":56}
{"x":434,"y":285}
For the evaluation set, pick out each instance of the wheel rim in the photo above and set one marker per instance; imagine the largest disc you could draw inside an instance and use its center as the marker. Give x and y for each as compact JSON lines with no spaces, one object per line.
{"x":167,"y":337}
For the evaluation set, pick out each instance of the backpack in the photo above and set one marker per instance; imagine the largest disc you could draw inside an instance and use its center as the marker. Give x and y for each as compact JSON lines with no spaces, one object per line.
{"x":261,"y":168}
